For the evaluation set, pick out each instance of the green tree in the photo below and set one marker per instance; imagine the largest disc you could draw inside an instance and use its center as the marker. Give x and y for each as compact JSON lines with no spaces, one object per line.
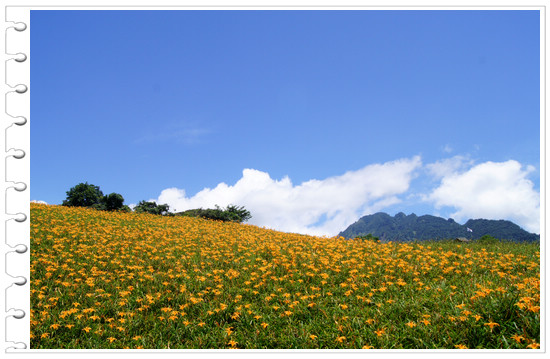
{"x":152,"y":207}
{"x":83,"y":195}
{"x":238,"y":214}
{"x":112,"y":202}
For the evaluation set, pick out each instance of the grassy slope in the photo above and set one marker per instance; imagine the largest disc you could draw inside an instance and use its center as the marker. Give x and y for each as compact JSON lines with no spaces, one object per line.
{"x":118,"y":280}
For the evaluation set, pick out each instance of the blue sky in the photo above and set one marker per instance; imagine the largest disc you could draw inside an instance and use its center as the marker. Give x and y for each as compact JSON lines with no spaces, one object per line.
{"x":310,"y":119}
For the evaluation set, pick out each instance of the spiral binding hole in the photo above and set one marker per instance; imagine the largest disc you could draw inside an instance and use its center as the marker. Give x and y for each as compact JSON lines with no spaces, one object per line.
{"x":22,"y":217}
{"x":20,"y":186}
{"x":20,"y":314}
{"x":19,"y":154}
{"x":21,"y":248}
{"x":21,"y":120}
{"x":20,"y":26}
{"x":21,"y":88}
{"x":21,"y":57}
{"x":20,"y":281}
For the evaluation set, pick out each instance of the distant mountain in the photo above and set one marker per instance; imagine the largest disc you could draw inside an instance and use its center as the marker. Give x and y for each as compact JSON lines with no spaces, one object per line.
{"x":405,"y":228}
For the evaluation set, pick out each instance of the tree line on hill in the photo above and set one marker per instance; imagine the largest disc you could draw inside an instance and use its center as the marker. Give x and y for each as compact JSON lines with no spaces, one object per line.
{"x":91,"y":196}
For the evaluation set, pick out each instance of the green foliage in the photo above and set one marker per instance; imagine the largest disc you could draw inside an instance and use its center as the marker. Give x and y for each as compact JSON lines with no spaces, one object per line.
{"x":239,"y":214}
{"x":89,"y":195}
{"x":83,"y":195}
{"x":112,"y":202}
{"x":152,"y":208}
{"x":369,"y":237}
{"x":488,"y":239}
{"x":231,"y":214}
{"x":125,"y":208}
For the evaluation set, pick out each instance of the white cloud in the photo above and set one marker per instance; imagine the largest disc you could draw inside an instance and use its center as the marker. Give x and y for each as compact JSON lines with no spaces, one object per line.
{"x":491,"y":190}
{"x":303,"y":208}
{"x":36,"y":201}
{"x":449,"y":166}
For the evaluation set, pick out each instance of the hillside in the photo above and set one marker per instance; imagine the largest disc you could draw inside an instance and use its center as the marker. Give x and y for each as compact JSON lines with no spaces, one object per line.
{"x":114,"y":280}
{"x":403,"y":228}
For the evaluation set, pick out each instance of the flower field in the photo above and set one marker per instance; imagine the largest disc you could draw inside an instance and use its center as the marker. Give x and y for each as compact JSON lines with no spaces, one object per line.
{"x":124,"y":280}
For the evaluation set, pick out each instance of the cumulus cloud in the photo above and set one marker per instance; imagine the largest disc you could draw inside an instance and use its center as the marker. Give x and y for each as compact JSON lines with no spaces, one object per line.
{"x":320,"y":207}
{"x":492,"y":190}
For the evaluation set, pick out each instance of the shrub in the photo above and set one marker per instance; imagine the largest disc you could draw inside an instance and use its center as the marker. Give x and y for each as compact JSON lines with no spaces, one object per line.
{"x":488,"y":239}
{"x":231,"y":214}
{"x":152,"y":207}
{"x":369,"y":237}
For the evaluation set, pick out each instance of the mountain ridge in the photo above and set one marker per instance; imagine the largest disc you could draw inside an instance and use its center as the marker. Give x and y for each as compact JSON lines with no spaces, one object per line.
{"x":405,"y":228}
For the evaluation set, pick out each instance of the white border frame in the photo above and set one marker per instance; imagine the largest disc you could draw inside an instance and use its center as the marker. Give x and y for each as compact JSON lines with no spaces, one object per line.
{"x":17,"y":172}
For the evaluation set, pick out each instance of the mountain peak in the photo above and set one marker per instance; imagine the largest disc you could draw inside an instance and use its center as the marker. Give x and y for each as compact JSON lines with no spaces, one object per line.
{"x":411,"y":227}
